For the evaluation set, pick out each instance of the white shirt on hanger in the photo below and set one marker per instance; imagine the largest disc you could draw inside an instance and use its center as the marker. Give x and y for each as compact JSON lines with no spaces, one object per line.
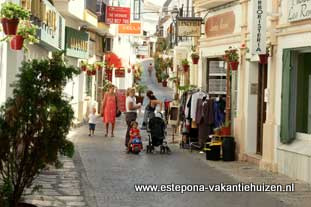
{"x":195,"y":97}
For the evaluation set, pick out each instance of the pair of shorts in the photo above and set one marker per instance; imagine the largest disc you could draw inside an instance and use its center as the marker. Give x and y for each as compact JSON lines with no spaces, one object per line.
{"x":92,"y":126}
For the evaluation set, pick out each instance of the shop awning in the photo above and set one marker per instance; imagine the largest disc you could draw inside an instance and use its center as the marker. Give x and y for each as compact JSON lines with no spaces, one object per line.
{"x":112,"y":60}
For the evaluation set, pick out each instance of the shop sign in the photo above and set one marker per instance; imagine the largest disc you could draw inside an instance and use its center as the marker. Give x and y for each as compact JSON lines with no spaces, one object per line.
{"x":299,"y":10}
{"x":131,"y":29}
{"x":220,"y":25}
{"x":118,"y":15}
{"x":189,"y":27}
{"x":119,"y":73}
{"x":142,"y":50}
{"x":76,"y":43}
{"x":51,"y":24}
{"x":258,"y":41}
{"x":121,"y":95}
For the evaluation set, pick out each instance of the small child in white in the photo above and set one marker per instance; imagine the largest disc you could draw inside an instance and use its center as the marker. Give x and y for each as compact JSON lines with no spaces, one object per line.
{"x":92,"y":121}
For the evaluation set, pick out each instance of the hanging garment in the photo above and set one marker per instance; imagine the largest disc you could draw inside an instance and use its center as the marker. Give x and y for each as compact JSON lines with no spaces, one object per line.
{"x":219,"y":113}
{"x":195,"y":97}
{"x":188,"y":107}
{"x":205,"y":119}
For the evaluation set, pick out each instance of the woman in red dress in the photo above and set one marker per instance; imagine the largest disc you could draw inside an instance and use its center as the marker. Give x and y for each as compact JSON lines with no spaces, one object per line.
{"x":109,"y":109}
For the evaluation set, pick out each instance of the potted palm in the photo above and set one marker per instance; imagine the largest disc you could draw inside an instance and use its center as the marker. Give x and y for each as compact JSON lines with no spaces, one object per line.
{"x":26,"y":32}
{"x":185,"y":64}
{"x":11,"y":14}
{"x":140,"y":88}
{"x":164,"y":77}
{"x":232,"y":57}
{"x":195,"y":58}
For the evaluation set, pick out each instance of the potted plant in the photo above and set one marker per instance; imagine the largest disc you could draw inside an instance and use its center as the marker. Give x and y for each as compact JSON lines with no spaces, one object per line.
{"x":232,"y":57}
{"x":263,"y":58}
{"x":195,"y":58}
{"x":140,"y":89}
{"x":164,"y":77}
{"x":26,"y":32}
{"x":225,"y":130}
{"x":32,"y":137}
{"x":11,"y":14}
{"x":83,"y":65}
{"x":99,"y":65}
{"x":185,"y":64}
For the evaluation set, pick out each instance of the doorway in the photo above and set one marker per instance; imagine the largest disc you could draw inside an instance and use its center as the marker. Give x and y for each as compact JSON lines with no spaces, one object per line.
{"x":261,"y":104}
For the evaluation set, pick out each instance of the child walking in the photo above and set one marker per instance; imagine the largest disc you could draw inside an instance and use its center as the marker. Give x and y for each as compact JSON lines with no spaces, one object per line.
{"x":92,"y":121}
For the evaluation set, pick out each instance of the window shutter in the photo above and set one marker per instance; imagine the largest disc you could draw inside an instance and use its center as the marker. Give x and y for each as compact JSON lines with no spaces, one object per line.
{"x":288,"y":131}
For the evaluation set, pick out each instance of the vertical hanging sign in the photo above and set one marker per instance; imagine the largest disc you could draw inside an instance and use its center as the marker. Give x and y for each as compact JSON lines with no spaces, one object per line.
{"x":259,"y":27}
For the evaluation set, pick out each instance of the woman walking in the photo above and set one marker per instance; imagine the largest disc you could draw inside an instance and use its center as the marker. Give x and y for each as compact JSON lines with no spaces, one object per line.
{"x":109,"y":109}
{"x":150,"y":108}
{"x":131,"y":112}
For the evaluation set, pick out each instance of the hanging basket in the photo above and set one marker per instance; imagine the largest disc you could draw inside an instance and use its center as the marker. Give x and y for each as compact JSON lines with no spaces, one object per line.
{"x":93,"y":72}
{"x":195,"y":60}
{"x":263,"y":59}
{"x":9,"y":26}
{"x":17,"y":42}
{"x":234,"y":65}
{"x":186,"y":68}
{"x":164,"y":83}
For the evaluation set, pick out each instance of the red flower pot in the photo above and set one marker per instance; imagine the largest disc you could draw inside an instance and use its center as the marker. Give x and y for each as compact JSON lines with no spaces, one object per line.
{"x":9,"y":26}
{"x":99,"y":67}
{"x":225,"y":131}
{"x":263,"y":59}
{"x":83,"y":67}
{"x":195,"y":60}
{"x":89,"y":73}
{"x":109,"y":75}
{"x":234,"y":65}
{"x":17,"y":42}
{"x":129,"y":70}
{"x":93,"y":72}
{"x":186,"y":68}
{"x":164,"y":83}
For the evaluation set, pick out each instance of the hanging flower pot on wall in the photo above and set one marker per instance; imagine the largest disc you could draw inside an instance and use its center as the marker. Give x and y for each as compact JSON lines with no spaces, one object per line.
{"x":89,"y":72}
{"x":83,"y":67}
{"x":9,"y":26}
{"x":233,"y":65}
{"x":93,"y":72}
{"x":17,"y":42}
{"x":195,"y":58}
{"x":263,"y":59}
{"x":164,"y":83}
{"x":186,"y":68}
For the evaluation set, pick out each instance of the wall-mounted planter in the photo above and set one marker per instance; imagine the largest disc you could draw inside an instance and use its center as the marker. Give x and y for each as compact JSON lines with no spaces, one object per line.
{"x":234,"y":65}
{"x":9,"y":26}
{"x":263,"y":59}
{"x":17,"y":42}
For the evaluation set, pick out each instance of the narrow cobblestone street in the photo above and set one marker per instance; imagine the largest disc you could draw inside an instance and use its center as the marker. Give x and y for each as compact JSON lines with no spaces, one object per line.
{"x":112,"y":173}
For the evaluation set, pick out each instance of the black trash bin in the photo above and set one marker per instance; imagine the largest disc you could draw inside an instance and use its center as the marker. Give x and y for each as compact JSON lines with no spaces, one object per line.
{"x":228,"y":149}
{"x":213,"y":151}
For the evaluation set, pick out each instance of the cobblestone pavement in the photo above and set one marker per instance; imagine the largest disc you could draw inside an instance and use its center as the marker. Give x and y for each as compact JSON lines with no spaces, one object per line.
{"x":112,"y":173}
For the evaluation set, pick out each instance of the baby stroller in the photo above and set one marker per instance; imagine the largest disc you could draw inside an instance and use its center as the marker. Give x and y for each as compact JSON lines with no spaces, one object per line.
{"x":156,"y":133}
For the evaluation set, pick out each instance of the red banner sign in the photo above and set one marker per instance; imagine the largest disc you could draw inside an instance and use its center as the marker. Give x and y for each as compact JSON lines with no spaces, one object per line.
{"x":119,"y":73}
{"x":118,"y":15}
{"x":121,"y":94}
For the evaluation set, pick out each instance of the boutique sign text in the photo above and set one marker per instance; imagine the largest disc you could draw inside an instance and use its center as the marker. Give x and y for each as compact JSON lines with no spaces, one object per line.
{"x":299,"y":10}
